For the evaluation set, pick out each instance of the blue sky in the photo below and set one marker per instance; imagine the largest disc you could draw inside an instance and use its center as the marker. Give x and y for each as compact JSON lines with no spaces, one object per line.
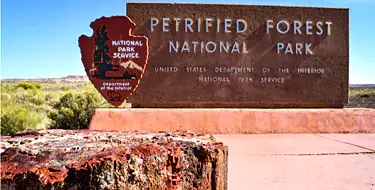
{"x":39,"y":38}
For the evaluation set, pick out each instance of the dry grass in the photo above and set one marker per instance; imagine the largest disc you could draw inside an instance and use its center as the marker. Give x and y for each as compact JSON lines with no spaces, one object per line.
{"x":362,"y":92}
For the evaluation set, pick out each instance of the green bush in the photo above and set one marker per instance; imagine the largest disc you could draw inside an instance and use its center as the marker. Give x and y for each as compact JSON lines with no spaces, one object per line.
{"x":74,"y":110}
{"x":28,"y":85}
{"x":18,"y":119}
{"x":5,"y":97}
{"x":48,"y":97}
{"x":33,"y":97}
{"x":17,"y":116}
{"x":65,"y":88}
{"x":5,"y":87}
{"x":37,"y":85}
{"x":13,"y":122}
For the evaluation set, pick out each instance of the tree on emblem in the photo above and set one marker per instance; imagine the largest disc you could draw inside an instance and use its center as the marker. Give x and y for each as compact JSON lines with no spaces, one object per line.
{"x":102,"y":61}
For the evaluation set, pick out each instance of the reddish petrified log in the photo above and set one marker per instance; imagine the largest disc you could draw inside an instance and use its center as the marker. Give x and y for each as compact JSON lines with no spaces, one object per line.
{"x":59,"y":159}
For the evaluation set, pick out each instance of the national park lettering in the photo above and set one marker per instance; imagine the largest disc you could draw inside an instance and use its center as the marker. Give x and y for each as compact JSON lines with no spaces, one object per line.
{"x":228,"y":25}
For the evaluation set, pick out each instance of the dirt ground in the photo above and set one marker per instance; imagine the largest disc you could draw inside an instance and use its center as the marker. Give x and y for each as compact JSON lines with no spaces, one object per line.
{"x":296,"y":162}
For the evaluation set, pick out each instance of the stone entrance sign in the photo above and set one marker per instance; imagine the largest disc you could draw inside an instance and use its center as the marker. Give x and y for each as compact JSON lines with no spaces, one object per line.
{"x":207,"y":55}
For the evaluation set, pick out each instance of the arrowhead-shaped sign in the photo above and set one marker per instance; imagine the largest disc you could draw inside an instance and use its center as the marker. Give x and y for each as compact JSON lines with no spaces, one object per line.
{"x":114,"y":59}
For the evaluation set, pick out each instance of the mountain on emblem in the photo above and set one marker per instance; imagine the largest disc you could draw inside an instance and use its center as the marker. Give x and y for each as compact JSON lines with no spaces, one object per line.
{"x":131,"y":65}
{"x":114,"y":59}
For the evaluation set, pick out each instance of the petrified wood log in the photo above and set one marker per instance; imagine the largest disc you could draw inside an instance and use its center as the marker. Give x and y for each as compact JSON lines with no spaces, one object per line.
{"x":60,"y":159}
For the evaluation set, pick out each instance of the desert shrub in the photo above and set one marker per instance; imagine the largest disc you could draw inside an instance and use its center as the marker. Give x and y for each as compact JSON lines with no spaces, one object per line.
{"x":16,"y":119}
{"x":5,"y":87}
{"x":65,"y":88}
{"x":5,"y":96}
{"x":37,"y":85}
{"x":48,"y":97}
{"x":361,"y":92}
{"x":74,"y":110}
{"x":33,"y":97}
{"x":19,"y":111}
{"x":27,"y":85}
{"x":84,"y":85}
{"x":13,"y":122}
{"x":53,"y":97}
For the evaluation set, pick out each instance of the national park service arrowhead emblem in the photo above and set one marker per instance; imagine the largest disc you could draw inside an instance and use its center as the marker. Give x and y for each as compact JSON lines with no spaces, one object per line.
{"x":114,"y":59}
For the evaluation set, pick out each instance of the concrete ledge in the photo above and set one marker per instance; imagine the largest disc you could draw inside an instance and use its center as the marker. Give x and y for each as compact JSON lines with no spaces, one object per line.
{"x":232,"y":121}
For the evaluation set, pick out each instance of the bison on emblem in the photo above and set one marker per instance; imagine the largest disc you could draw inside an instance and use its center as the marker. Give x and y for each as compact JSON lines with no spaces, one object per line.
{"x":114,"y":96}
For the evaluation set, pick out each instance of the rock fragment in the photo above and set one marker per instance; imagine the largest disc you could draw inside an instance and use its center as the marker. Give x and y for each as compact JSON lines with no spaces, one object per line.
{"x":82,"y":159}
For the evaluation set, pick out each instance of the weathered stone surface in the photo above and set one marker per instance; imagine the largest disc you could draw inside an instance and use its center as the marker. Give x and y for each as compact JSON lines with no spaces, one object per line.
{"x":232,"y":121}
{"x":172,"y":79}
{"x":59,"y":159}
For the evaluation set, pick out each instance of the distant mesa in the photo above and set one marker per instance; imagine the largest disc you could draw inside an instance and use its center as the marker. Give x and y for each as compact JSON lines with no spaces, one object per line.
{"x":67,"y":79}
{"x":75,"y":78}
